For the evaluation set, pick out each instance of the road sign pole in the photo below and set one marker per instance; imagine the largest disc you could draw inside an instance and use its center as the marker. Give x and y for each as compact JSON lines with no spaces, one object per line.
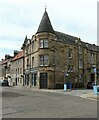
{"x":95,"y":76}
{"x":95,"y":79}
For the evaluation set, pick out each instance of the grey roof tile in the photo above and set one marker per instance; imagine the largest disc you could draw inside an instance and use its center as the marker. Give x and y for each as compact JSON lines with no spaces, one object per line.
{"x":65,"y":38}
{"x":45,"y":24}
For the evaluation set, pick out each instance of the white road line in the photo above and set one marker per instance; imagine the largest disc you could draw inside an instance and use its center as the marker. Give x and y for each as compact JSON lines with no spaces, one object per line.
{"x":95,"y":99}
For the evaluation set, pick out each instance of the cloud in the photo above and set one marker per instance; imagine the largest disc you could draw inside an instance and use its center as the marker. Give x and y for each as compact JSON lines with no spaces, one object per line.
{"x":5,"y":51}
{"x":22,"y":17}
{"x":10,"y":44}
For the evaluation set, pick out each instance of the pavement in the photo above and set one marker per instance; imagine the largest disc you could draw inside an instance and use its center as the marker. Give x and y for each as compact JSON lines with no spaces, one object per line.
{"x":84,"y":93}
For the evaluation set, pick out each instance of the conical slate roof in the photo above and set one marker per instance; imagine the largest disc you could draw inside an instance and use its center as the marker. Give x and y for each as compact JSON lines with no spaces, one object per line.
{"x":45,"y":24}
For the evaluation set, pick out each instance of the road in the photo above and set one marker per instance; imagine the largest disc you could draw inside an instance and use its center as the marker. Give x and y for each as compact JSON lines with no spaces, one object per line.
{"x":39,"y":104}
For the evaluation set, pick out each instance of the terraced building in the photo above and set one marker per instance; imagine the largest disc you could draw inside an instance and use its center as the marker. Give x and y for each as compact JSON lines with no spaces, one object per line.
{"x":52,"y":58}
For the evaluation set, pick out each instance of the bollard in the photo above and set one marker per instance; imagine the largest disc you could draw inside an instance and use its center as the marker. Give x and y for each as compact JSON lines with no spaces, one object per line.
{"x":95,"y":90}
{"x":65,"y":87}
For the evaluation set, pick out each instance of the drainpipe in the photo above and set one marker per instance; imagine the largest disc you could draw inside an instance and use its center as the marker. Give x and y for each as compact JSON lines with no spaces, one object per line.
{"x":30,"y":67}
{"x":78,"y":64}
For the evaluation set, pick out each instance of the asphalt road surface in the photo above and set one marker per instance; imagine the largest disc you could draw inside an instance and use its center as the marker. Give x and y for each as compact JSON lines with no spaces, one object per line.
{"x":39,"y":104}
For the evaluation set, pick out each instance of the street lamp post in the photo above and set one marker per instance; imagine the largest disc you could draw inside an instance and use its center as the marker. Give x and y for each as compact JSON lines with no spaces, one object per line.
{"x":95,"y":88}
{"x":95,"y":72}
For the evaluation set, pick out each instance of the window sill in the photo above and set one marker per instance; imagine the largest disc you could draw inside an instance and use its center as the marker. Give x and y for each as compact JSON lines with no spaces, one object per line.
{"x":70,"y":57}
{"x":44,"y":48}
{"x":43,"y":65}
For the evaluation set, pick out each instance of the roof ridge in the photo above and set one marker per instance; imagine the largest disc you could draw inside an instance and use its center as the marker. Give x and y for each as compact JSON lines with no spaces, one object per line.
{"x":18,"y":56}
{"x":66,"y":34}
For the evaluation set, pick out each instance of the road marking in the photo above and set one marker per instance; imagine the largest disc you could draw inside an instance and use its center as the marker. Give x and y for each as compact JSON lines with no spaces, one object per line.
{"x":90,"y":99}
{"x":84,"y":96}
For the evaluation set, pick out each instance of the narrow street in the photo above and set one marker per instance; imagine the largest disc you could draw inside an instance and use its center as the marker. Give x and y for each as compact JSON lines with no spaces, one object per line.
{"x":39,"y":104}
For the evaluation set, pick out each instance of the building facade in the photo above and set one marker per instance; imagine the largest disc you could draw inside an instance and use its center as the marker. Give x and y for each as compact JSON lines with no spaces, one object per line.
{"x":52,"y":58}
{"x":17,"y":69}
{"x":1,"y":70}
{"x":6,"y":68}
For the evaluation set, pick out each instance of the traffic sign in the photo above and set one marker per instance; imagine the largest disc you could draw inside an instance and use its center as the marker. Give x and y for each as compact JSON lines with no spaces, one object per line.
{"x":66,"y":74}
{"x":94,"y":70}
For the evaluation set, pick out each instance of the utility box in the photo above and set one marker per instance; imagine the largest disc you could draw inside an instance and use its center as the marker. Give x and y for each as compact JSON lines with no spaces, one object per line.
{"x":69,"y":85}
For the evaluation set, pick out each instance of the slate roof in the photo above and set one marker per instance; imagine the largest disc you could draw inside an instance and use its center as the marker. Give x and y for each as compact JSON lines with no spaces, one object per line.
{"x":90,"y":46}
{"x":65,"y":38}
{"x":45,"y":24}
{"x":18,"y":56}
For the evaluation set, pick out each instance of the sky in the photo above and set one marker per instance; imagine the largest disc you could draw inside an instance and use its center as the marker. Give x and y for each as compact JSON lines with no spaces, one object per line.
{"x":19,"y":18}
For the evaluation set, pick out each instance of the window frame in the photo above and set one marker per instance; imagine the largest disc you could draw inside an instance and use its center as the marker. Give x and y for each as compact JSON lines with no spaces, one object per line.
{"x":32,"y":62}
{"x":43,"y":43}
{"x":70,"y":53}
{"x":70,"y":68}
{"x":43,"y":61}
{"x":80,"y":63}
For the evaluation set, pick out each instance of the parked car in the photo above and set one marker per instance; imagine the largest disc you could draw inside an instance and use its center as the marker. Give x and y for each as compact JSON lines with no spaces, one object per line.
{"x":1,"y":82}
{"x":4,"y":83}
{"x":90,"y":85}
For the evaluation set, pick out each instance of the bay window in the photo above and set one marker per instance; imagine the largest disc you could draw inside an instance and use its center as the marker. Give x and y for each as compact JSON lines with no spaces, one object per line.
{"x":44,"y":43}
{"x":44,"y":60}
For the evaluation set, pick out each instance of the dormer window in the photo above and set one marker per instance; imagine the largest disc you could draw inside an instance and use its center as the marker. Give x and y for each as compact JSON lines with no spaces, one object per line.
{"x":44,"y":43}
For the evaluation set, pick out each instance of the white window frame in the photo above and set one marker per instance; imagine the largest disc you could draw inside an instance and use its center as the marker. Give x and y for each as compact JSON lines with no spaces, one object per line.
{"x":44,"y":60}
{"x":32,"y":61}
{"x":80,"y":63}
{"x":70,"y":68}
{"x":80,"y":49}
{"x":32,"y":46}
{"x":70,"y":53}
{"x":43,"y":43}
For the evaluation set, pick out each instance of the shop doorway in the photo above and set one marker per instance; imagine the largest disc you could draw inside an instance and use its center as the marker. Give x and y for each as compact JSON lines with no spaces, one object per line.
{"x":92,"y":77}
{"x":34,"y":78}
{"x":43,"y":80}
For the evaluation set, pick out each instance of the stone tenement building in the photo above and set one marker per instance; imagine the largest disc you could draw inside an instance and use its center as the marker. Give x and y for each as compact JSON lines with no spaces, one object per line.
{"x":6,"y":68}
{"x":17,"y":69}
{"x":11,"y":68}
{"x":1,"y":70}
{"x":52,"y":58}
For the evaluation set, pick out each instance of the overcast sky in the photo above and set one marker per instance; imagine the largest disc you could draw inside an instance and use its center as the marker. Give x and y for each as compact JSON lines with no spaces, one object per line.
{"x":19,"y":18}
